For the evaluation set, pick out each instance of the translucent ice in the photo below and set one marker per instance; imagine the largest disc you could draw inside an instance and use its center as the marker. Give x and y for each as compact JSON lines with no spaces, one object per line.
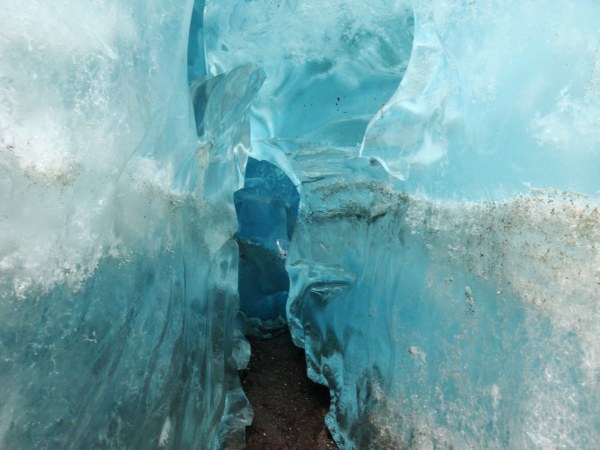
{"x":496,"y":98}
{"x":267,"y":208}
{"x":118,"y":271}
{"x":442,"y":324}
{"x":326,"y":61}
{"x":455,"y":304}
{"x":444,"y":268}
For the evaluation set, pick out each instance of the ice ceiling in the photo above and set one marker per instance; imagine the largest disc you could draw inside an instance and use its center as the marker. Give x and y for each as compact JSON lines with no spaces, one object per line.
{"x":411,"y":186}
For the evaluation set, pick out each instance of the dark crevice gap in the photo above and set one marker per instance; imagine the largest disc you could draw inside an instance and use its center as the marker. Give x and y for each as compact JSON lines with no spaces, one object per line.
{"x":289,"y":409}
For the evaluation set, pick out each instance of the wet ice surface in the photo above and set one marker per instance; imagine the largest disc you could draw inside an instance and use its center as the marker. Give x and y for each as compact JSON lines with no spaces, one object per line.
{"x":118,"y":271}
{"x":445,"y":285}
{"x":267,"y":209}
{"x":446,"y":324}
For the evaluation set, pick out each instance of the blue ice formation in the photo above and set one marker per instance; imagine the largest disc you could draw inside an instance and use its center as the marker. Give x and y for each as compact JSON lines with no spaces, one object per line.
{"x":267,"y":209}
{"x":118,"y":266}
{"x":327,"y":62}
{"x":445,"y":276}
{"x":421,"y":177}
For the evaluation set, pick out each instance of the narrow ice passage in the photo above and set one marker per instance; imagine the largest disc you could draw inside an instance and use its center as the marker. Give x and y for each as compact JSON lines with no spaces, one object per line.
{"x":267,"y":209}
{"x":441,"y":175}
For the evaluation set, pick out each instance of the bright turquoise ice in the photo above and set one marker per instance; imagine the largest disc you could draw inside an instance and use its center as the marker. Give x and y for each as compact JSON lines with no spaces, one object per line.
{"x":455,"y":304}
{"x":450,"y":301}
{"x":446,"y":324}
{"x":118,"y":267}
{"x":267,"y":209}
{"x":498,"y":98}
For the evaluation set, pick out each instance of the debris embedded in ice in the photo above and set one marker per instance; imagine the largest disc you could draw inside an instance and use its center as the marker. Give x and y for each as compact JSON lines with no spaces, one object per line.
{"x":164,"y":433}
{"x":282,"y":252}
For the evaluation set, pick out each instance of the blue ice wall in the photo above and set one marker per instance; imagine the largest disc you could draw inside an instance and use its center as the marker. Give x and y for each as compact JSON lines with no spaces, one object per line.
{"x":196,"y":61}
{"x":445,"y":286}
{"x":267,"y":209}
{"x":441,"y":324}
{"x":327,"y":62}
{"x":444,"y":267}
{"x":118,"y":267}
{"x":497,"y":99}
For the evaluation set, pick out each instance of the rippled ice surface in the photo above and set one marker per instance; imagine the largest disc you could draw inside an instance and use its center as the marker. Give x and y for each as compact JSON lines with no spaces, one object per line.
{"x":426,"y":173}
{"x":446,"y":324}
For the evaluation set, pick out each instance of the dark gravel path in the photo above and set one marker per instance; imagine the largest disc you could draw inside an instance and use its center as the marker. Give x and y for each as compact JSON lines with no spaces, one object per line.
{"x":289,"y":409}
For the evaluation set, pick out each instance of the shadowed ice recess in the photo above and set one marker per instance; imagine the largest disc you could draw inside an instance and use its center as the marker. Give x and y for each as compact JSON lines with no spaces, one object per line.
{"x":412,"y":187}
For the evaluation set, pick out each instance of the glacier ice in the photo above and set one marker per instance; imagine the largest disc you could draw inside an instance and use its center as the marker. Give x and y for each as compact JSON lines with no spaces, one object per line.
{"x":326,"y":61}
{"x":452,"y":302}
{"x":422,"y":177}
{"x":118,"y":268}
{"x":267,"y":209}
{"x":453,"y":305}
{"x":447,"y":324}
{"x":496,"y":98}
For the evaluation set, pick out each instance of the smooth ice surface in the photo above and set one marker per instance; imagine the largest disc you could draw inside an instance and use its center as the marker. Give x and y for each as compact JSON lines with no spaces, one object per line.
{"x":498,"y":97}
{"x":267,"y":209}
{"x":444,"y":271}
{"x":327,"y":61}
{"x":452,"y":301}
{"x":118,"y":271}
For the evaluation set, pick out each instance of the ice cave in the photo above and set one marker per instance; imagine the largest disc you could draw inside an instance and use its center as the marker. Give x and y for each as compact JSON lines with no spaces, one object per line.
{"x":411,"y":187}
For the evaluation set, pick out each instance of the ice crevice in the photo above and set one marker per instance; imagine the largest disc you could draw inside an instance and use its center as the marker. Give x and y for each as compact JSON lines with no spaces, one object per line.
{"x":410,"y":187}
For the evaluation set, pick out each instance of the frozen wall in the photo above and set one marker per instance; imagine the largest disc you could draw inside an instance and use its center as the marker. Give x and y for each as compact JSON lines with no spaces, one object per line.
{"x":498,"y":97}
{"x":267,"y":209}
{"x":118,"y":272}
{"x":454,"y":302}
{"x":441,"y":324}
{"x":444,"y":270}
{"x":327,"y":62}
